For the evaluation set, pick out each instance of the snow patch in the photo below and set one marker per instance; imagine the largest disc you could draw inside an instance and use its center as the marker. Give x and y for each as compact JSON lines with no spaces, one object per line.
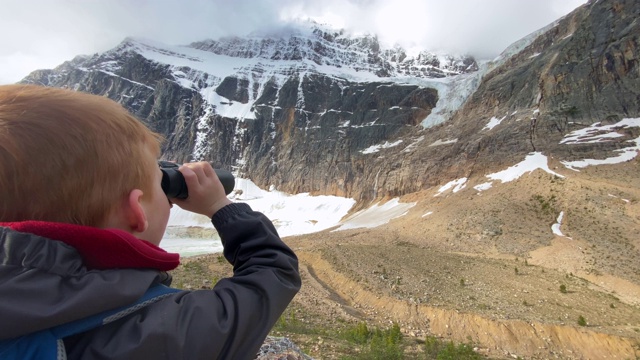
{"x":413,"y":145}
{"x":457,"y":185}
{"x":483,"y":186}
{"x":443,"y":142}
{"x":376,"y":215}
{"x":291,"y":215}
{"x":375,"y":148}
{"x":555,"y":228}
{"x":599,"y":133}
{"x":617,"y":197}
{"x":532,"y":162}
{"x":493,"y":123}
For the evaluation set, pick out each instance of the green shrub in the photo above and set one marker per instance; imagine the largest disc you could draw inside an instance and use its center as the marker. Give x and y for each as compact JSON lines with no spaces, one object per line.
{"x":432,"y":347}
{"x":544,"y":206}
{"x":288,"y":322}
{"x":563,"y":289}
{"x":582,"y":321}
{"x":460,"y":352}
{"x":439,"y":350}
{"x":386,"y":344}
{"x":358,"y":334}
{"x":377,"y":344}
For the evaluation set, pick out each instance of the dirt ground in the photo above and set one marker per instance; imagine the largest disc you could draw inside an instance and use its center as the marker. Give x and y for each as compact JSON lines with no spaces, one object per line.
{"x":483,"y":268}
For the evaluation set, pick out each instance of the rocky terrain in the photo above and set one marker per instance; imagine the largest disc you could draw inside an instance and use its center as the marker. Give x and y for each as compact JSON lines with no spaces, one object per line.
{"x":516,"y":292}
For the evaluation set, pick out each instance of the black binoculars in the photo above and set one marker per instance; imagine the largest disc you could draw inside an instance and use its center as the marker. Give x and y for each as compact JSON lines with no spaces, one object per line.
{"x":174,"y":186}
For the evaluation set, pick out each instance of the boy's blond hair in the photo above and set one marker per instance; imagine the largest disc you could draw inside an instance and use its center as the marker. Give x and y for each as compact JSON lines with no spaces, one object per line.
{"x":69,"y":157}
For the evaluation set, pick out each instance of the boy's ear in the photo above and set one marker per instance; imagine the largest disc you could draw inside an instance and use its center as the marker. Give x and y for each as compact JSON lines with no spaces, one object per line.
{"x":136,"y":216}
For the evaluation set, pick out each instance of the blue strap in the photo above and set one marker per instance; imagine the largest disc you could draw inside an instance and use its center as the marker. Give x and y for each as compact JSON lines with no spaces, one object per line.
{"x":152,"y":295}
{"x":46,"y":344}
{"x":41,"y":345}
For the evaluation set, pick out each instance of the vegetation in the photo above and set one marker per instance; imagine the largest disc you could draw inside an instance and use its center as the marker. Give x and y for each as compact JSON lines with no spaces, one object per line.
{"x":563,"y":288}
{"x":544,"y":206}
{"x":441,"y":350}
{"x":375,"y":343}
{"x":582,"y":321}
{"x":289,"y":323}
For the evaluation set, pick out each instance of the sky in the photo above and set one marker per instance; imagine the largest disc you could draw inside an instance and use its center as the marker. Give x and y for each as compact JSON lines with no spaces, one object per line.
{"x":41,"y":34}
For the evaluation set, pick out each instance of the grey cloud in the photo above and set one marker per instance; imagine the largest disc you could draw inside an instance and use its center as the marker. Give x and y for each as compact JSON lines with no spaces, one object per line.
{"x":44,"y":33}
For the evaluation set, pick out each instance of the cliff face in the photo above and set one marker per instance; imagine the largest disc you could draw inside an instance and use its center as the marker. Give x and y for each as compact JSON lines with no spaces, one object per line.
{"x":583,"y":70}
{"x":579,"y":71}
{"x":274,"y":114}
{"x":322,"y":112}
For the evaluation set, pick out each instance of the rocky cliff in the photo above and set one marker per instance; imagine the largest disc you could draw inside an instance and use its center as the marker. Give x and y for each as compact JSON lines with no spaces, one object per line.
{"x":579,"y":71}
{"x":297,"y":112}
{"x":319,"y":111}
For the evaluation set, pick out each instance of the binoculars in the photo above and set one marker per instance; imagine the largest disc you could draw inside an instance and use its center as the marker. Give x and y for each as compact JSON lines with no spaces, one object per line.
{"x":174,"y":186}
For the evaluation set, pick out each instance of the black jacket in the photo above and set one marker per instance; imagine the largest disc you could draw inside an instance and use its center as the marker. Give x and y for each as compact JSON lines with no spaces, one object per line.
{"x":45,"y":282}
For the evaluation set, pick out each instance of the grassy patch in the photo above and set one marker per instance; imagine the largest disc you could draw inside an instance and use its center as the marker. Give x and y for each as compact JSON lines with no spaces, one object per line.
{"x":446,"y":350}
{"x":376,"y":343}
{"x":290,"y":324}
{"x":360,"y":341}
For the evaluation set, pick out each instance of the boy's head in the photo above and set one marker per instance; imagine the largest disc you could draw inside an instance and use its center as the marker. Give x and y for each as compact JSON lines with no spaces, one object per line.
{"x":70,"y":157}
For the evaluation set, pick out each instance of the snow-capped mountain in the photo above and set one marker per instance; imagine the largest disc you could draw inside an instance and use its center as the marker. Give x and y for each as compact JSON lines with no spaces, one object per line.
{"x":318,"y":110}
{"x":252,"y":103}
{"x":324,"y":46}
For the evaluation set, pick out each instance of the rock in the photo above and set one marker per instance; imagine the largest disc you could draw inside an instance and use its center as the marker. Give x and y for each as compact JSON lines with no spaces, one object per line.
{"x":280,"y":348}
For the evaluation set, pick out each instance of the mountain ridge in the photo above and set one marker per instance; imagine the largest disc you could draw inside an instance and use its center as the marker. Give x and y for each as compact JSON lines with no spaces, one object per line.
{"x":263,"y":103}
{"x":238,"y":89}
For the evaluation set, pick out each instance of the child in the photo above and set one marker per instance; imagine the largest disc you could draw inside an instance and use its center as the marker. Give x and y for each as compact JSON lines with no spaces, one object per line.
{"x":81,"y":214}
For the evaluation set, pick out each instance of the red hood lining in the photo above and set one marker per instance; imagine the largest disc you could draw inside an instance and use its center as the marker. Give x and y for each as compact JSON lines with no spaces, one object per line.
{"x":102,"y":248}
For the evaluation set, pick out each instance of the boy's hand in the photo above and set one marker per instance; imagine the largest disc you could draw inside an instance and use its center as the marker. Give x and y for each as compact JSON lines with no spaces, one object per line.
{"x":206,"y":193}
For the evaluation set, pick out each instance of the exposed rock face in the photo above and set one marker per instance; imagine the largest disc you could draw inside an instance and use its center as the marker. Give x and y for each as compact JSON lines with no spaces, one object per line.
{"x":583,"y":69}
{"x":321,"y":112}
{"x":279,"y":122}
{"x":318,"y":150}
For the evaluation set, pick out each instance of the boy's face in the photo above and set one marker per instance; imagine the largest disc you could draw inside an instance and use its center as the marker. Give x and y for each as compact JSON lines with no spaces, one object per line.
{"x":157,"y":208}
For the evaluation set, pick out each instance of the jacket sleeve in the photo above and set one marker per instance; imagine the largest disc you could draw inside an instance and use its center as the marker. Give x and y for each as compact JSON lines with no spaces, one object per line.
{"x":265,"y":280}
{"x":229,"y":321}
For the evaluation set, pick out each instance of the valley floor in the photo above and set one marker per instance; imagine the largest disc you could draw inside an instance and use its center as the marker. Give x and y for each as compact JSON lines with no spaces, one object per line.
{"x":481,"y":270}
{"x":467,"y":299}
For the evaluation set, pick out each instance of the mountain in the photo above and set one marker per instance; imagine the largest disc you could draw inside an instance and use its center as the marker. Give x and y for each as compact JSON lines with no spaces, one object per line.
{"x":297,"y":112}
{"x":300,"y":111}
{"x":532,"y":156}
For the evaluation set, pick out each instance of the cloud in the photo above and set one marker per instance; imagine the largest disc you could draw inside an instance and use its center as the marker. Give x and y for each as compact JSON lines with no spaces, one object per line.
{"x":44,"y":33}
{"x":481,"y":28}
